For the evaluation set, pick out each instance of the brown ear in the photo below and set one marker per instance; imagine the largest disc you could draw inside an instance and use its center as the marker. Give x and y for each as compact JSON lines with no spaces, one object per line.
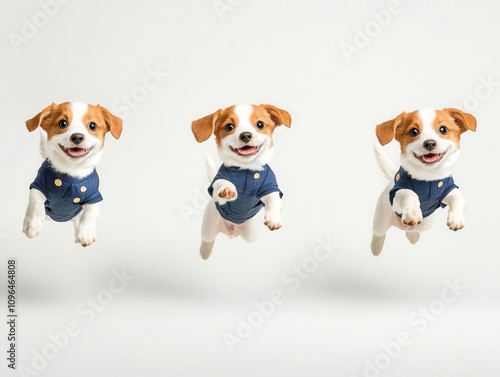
{"x":204,"y":127}
{"x":464,"y":120}
{"x":115,"y":124}
{"x":33,"y":123}
{"x":279,"y":117}
{"x":387,"y":130}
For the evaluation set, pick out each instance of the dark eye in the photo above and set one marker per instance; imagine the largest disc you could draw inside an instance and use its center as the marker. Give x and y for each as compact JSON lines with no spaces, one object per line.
{"x":260,"y":124}
{"x":92,"y":126}
{"x":63,"y":123}
{"x":229,"y":127}
{"x":443,"y":130}
{"x":414,"y":132}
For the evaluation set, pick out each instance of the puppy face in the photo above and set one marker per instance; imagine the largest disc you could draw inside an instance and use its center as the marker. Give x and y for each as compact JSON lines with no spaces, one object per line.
{"x":75,"y":132}
{"x":429,"y":139}
{"x":243,"y":133}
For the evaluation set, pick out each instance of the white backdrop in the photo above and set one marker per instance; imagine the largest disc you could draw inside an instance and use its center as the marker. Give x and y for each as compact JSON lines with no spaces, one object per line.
{"x":270,"y":308}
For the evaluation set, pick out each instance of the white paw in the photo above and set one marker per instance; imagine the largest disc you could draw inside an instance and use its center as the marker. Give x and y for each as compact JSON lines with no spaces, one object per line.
{"x":85,"y":236}
{"x":455,"y":221}
{"x":272,"y":220}
{"x":412,"y":217}
{"x":32,"y":227}
{"x":226,"y":193}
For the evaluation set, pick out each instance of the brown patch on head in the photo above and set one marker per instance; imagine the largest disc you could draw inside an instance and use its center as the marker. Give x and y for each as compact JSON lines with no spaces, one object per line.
{"x":445,"y":126}
{"x":452,"y":123}
{"x":448,"y":124}
{"x":399,"y":129}
{"x":51,"y":119}
{"x":225,"y":124}
{"x":403,"y":133}
{"x":99,"y":121}
{"x":387,"y":130}
{"x":55,"y":119}
{"x":221,"y":123}
{"x":262,"y":121}
{"x":265,"y":119}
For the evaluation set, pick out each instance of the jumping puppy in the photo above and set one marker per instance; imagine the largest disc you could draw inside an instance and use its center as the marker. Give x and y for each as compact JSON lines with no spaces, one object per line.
{"x":67,"y":185}
{"x":244,"y":183}
{"x":430,"y":146}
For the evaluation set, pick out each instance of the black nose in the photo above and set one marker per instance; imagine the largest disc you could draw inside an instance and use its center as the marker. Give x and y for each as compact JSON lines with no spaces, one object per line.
{"x":430,"y":144}
{"x":245,"y":137}
{"x":77,"y":138}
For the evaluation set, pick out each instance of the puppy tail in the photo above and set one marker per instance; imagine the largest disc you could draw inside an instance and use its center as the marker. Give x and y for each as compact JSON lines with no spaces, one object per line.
{"x":211,"y":168}
{"x":384,"y":162}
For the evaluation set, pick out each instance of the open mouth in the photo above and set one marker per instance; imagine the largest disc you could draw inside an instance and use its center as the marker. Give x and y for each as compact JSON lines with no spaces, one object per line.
{"x":430,"y":158}
{"x":247,"y":150}
{"x":75,"y":152}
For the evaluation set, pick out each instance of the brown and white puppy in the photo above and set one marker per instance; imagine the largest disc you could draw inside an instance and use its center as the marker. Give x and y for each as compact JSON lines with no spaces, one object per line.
{"x":244,"y":184}
{"x":66,"y":187}
{"x":430,"y":145}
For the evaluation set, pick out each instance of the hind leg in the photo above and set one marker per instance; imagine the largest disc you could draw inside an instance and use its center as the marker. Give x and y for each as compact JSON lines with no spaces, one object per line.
{"x":382,"y":221}
{"x":250,"y":229}
{"x":377,"y":244}
{"x":413,"y":233}
{"x":212,"y":222}
{"x":413,"y":237}
{"x":206,"y":249}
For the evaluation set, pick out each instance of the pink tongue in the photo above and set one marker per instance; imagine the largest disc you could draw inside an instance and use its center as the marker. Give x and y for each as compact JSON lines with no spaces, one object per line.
{"x":431,"y":157}
{"x":76,"y":151}
{"x":246,"y":150}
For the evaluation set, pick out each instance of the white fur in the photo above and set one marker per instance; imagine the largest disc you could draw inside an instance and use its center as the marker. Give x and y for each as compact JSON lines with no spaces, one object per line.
{"x":421,"y":171}
{"x":405,"y":201}
{"x":76,"y":167}
{"x":255,"y":162}
{"x":213,"y":223}
{"x":85,"y":223}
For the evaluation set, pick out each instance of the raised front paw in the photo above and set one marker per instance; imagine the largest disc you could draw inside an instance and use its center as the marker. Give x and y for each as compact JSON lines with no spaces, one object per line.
{"x":227,"y":193}
{"x":272,"y":221}
{"x":32,"y":227}
{"x":455,"y":221}
{"x":85,"y":236}
{"x":412,"y":217}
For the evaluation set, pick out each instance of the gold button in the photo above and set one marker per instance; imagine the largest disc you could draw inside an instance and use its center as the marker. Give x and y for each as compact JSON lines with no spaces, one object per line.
{"x":76,"y":200}
{"x":83,"y":189}
{"x":398,"y":176}
{"x":440,"y":184}
{"x":256,"y":176}
{"x":58,"y":182}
